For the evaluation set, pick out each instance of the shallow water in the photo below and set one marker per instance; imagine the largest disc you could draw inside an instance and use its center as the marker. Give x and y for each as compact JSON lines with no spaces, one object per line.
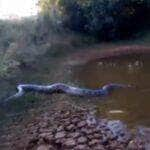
{"x":130,"y":105}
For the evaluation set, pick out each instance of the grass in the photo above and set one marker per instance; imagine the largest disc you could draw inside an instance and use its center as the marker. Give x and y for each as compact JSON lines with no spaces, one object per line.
{"x":21,"y":42}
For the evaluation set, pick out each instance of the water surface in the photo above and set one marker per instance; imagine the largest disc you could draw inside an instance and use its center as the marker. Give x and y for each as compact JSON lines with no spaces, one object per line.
{"x":130,"y":105}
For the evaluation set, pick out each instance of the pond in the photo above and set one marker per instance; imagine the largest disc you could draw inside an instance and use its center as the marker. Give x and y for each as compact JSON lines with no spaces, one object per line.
{"x":130,"y":105}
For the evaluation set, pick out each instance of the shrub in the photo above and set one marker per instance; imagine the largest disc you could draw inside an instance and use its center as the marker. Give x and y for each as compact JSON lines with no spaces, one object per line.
{"x":106,"y":19}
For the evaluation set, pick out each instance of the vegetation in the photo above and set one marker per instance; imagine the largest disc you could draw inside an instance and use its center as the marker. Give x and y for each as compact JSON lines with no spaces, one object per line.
{"x":21,"y":41}
{"x":105,"y":19}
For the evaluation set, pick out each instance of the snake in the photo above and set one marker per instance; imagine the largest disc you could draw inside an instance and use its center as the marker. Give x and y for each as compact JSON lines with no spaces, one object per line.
{"x":67,"y":89}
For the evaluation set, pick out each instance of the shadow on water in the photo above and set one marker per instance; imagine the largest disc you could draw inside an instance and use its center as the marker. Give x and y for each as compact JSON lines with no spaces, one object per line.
{"x":130,"y":105}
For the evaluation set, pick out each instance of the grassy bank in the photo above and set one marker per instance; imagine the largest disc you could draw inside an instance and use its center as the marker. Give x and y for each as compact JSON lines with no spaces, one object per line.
{"x":22,"y":41}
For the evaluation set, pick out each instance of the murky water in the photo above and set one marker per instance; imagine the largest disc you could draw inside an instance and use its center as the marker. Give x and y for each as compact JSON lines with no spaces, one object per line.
{"x":130,"y":105}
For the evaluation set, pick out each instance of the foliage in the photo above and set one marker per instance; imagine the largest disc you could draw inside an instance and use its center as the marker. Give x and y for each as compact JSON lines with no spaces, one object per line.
{"x":22,"y":41}
{"x":107,"y":19}
{"x":18,"y":40}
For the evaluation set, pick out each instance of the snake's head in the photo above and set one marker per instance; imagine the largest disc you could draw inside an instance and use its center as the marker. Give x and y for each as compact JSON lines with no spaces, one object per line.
{"x":112,"y":86}
{"x":132,"y":86}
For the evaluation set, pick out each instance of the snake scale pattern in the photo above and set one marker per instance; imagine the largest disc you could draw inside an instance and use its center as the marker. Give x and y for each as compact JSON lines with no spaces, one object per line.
{"x":64,"y":88}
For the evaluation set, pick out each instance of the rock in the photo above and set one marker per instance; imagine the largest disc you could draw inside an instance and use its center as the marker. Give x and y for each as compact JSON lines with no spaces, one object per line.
{"x":132,"y":146}
{"x":119,"y":130}
{"x":59,"y":135}
{"x":81,"y":124}
{"x":81,"y":147}
{"x":43,"y":124}
{"x":82,"y":140}
{"x":88,"y":131}
{"x":90,"y":137}
{"x":41,"y":130}
{"x":144,"y":134}
{"x":66,"y":115}
{"x":99,"y":147}
{"x":74,"y":135}
{"x":43,"y":147}
{"x":84,"y":130}
{"x":70,"y":127}
{"x":69,"y":143}
{"x":91,"y":120}
{"x":66,"y":122}
{"x":60,"y":128}
{"x":41,"y":141}
{"x":46,"y":136}
{"x":75,"y":120}
{"x":97,"y":136}
{"x":138,"y":143}
{"x":105,"y":139}
{"x":113,"y":144}
{"x":94,"y":142}
{"x":60,"y":141}
{"x":96,"y":130}
{"x":71,"y":131}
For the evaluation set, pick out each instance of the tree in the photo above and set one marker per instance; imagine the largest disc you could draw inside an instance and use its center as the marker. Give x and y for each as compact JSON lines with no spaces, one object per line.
{"x":106,"y":19}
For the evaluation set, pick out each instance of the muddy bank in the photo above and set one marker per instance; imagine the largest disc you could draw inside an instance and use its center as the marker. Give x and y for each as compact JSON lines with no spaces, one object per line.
{"x":65,"y":126}
{"x":101,"y":53}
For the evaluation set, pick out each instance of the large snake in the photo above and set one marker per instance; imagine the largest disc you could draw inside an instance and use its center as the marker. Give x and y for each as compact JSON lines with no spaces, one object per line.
{"x":64,"y":88}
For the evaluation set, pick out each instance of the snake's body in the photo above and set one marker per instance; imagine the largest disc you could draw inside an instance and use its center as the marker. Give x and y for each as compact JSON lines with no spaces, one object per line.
{"x":64,"y":88}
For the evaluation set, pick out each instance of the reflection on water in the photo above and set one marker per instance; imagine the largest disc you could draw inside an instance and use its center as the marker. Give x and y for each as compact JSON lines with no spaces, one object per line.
{"x":131,"y":105}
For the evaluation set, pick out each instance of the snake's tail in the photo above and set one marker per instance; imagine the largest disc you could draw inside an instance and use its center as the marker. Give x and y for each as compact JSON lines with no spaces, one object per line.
{"x":6,"y":101}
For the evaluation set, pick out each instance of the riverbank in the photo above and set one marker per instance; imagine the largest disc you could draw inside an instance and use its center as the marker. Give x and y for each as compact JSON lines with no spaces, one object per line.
{"x":105,"y":52}
{"x":66,"y":126}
